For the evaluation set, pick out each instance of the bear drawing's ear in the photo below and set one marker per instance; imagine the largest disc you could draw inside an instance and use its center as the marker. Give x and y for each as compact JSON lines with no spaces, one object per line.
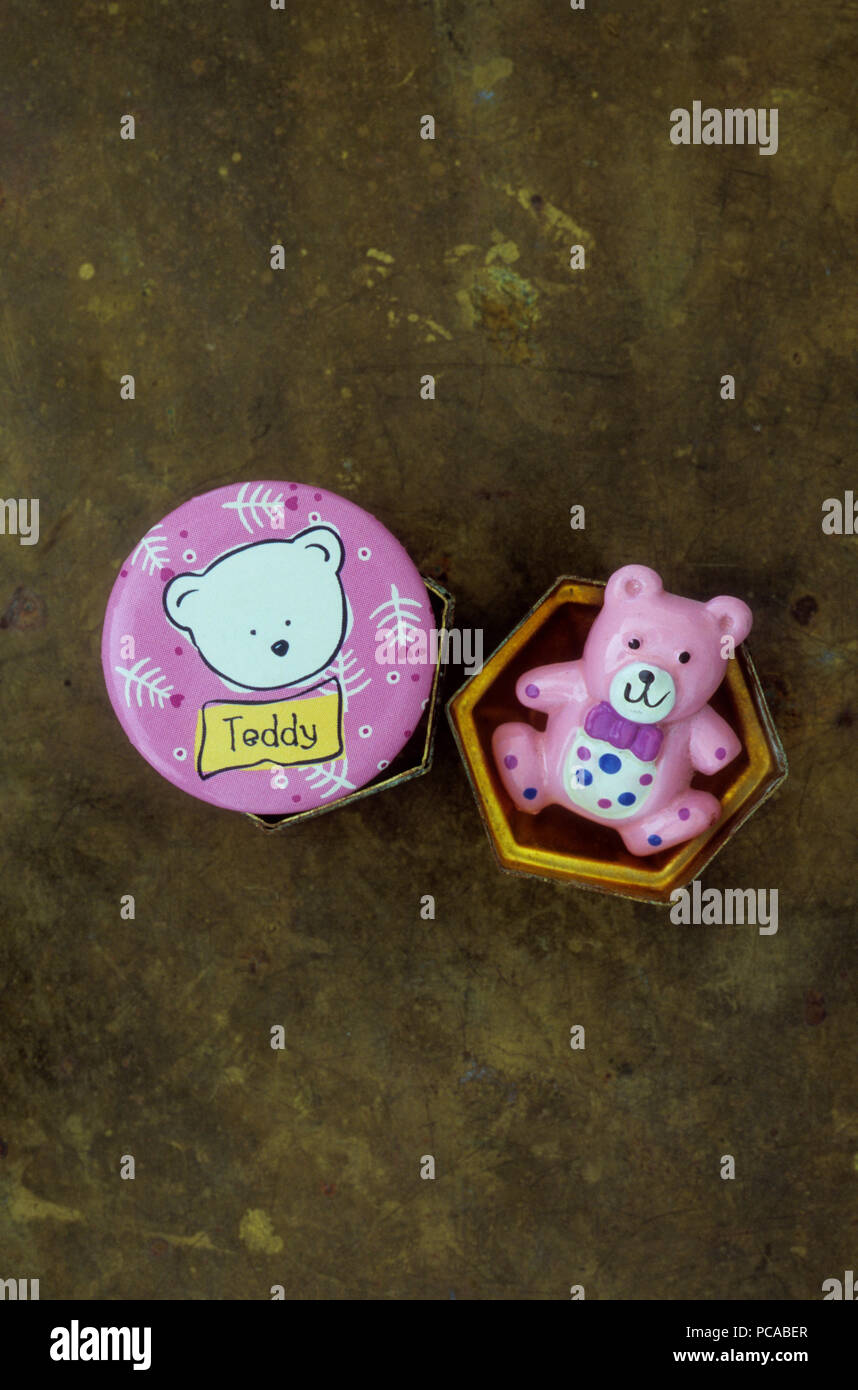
{"x":732,"y":616}
{"x":632,"y":582}
{"x":180,"y":598}
{"x":323,"y":542}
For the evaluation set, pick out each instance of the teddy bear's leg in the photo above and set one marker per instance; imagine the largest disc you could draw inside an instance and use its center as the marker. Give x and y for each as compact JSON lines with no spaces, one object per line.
{"x":518,"y":755}
{"x":689,"y":814}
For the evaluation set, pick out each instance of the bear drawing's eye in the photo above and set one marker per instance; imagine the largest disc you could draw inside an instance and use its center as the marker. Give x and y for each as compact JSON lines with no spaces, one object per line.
{"x":634,"y":643}
{"x":253,"y":632}
{"x":288,"y":622}
{"x":684,"y":656}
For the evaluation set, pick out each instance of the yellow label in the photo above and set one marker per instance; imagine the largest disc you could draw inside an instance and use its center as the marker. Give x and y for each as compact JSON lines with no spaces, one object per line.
{"x":283,"y":733}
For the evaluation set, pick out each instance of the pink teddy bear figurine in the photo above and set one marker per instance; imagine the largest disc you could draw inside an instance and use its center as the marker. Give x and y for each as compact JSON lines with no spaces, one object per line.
{"x":628,"y":724}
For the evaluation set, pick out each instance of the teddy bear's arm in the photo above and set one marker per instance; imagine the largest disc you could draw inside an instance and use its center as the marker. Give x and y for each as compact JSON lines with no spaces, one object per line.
{"x":549,"y":687}
{"x":713,"y":743}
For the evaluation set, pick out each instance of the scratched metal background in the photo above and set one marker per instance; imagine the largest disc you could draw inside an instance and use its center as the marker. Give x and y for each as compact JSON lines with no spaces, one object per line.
{"x":405,"y":1037}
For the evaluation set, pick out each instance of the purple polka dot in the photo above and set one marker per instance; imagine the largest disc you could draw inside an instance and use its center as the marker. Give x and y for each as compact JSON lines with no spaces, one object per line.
{"x":184,"y":535}
{"x":415,"y":677}
{"x":318,"y":496}
{"x":166,"y":574}
{"x":296,"y":798}
{"x":124,"y":574}
{"x":531,"y":691}
{"x":510,"y":761}
{"x":646,"y":779}
{"x":178,"y":651}
{"x":530,"y":793}
{"x":684,"y":813}
{"x":604,"y":803}
{"x":293,"y":487}
{"x":720,"y":753}
{"x":584,"y":754}
{"x":407,"y":733}
{"x":654,"y":840}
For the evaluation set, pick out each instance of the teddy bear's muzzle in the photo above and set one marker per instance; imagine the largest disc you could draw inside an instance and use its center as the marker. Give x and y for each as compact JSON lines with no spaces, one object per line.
{"x":644,"y":693}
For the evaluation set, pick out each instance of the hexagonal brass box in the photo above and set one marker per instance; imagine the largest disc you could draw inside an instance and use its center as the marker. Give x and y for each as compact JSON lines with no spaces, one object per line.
{"x":556,"y":843}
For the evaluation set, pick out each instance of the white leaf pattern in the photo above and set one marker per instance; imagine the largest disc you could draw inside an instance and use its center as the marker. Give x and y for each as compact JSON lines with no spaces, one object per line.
{"x":139,"y":679}
{"x":396,"y":609}
{"x":251,"y":507}
{"x":343,"y":670}
{"x":326,"y":775}
{"x":153,"y":548}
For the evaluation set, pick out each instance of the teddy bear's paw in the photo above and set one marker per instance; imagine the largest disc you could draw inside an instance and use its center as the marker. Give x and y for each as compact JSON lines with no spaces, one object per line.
{"x":518,"y":756}
{"x":687,"y":815}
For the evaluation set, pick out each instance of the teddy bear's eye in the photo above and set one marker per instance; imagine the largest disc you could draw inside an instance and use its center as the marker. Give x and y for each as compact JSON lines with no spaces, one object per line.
{"x":634,"y":643}
{"x":684,"y":656}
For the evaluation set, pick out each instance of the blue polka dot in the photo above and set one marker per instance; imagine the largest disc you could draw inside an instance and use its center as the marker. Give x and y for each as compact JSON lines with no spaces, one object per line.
{"x":627,"y":798}
{"x":531,"y":792}
{"x":654,"y":840}
{"x":609,"y":762}
{"x":583,"y":777}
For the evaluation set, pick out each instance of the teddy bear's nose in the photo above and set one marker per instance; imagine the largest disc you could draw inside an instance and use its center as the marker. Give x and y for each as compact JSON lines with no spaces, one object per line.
{"x":647,"y":677}
{"x":280,"y":648}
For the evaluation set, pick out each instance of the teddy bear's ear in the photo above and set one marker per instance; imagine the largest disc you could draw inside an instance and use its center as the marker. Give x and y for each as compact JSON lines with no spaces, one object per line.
{"x":180,"y":599}
{"x":732,"y":616}
{"x":632,"y":582}
{"x":322,"y":541}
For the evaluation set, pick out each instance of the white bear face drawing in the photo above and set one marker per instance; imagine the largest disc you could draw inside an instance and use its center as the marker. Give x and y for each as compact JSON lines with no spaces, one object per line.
{"x":269,"y":614}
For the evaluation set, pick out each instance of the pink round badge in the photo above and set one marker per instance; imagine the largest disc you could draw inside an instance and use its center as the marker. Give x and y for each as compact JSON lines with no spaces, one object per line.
{"x":268,"y":647}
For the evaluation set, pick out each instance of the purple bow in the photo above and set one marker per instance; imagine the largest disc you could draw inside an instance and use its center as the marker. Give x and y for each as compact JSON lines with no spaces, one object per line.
{"x":644,"y":740}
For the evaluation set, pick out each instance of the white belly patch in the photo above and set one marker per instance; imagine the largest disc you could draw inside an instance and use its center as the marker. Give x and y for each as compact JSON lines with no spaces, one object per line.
{"x":609,"y":782}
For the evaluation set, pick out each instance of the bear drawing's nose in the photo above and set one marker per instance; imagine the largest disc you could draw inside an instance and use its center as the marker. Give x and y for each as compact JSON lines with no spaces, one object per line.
{"x":280,"y":648}
{"x":647,"y":677}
